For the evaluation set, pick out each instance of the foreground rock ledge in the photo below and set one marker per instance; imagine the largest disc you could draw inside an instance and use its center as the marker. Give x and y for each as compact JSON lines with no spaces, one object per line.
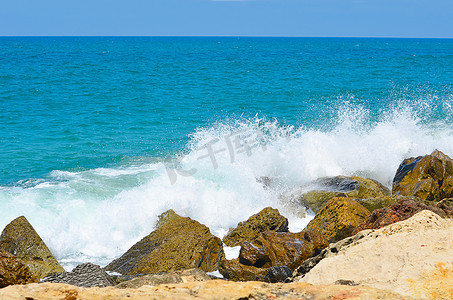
{"x":213,"y":289}
{"x":413,"y":258}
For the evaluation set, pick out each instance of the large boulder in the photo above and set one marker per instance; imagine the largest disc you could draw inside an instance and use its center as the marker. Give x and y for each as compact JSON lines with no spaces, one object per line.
{"x":13,"y":270}
{"x":429,"y":177}
{"x":411,"y":257}
{"x":180,"y":243}
{"x":327,"y":188}
{"x":273,"y":249}
{"x":268,"y":219}
{"x":84,"y":275}
{"x":400,"y":211}
{"x":338,"y":218}
{"x":20,"y":239}
{"x":270,"y":250}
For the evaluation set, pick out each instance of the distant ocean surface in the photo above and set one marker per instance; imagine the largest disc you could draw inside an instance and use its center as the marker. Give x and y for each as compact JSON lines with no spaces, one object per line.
{"x":99,"y":135}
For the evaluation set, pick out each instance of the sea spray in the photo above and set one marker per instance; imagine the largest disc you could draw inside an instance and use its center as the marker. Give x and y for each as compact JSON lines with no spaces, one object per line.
{"x":96,"y":215}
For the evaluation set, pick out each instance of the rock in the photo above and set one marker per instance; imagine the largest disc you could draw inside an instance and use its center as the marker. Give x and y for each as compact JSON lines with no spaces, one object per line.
{"x":212,"y":289}
{"x":191,"y":275}
{"x":400,"y":211}
{"x":278,"y":274}
{"x":338,"y":218}
{"x":413,"y":258}
{"x":331,"y":250}
{"x":13,"y":270}
{"x":273,"y":249}
{"x":428,"y":177}
{"x":235,"y":271}
{"x":341,"y":186}
{"x":447,"y":206}
{"x":181,"y":243}
{"x":84,"y":275}
{"x":20,"y":239}
{"x":268,"y":219}
{"x":166,"y":217}
{"x":380,"y":202}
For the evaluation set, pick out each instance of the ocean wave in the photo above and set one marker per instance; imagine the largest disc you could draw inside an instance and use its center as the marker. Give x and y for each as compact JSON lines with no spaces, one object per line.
{"x":98,"y":214}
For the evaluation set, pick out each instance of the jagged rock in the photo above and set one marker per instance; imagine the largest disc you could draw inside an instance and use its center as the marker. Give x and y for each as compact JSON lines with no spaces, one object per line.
{"x":447,"y":206}
{"x":20,"y":239}
{"x":400,"y":211}
{"x":278,"y":274}
{"x":191,"y":275}
{"x":181,"y":243}
{"x":331,"y":250}
{"x":13,"y":270}
{"x":429,"y":177}
{"x":412,"y":257}
{"x":84,"y":275}
{"x":235,"y":271}
{"x":166,"y":217}
{"x":338,"y":218}
{"x":268,"y":219}
{"x":212,"y":289}
{"x":341,"y":186}
{"x":273,"y":249}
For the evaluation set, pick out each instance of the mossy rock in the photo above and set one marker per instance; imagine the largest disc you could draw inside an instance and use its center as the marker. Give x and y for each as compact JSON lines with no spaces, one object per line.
{"x":338,"y":218}
{"x":341,"y":186}
{"x":20,"y":239}
{"x":268,"y":219}
{"x":178,"y":244}
{"x":428,"y":177}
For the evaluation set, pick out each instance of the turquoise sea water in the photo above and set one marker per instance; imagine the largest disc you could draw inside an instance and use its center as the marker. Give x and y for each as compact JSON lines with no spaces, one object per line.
{"x":86,"y":123}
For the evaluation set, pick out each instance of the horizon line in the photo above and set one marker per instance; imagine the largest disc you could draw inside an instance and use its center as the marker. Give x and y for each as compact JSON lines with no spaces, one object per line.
{"x":236,"y":36}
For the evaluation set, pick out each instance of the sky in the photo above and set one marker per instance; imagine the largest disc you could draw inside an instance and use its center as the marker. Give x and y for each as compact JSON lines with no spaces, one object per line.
{"x":305,"y":18}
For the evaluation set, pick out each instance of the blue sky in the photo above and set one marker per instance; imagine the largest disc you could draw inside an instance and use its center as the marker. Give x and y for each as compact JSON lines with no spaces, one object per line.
{"x":370,"y":18}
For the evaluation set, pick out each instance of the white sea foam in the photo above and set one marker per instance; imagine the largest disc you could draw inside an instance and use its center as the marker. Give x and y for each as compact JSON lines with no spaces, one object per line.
{"x":96,"y":215}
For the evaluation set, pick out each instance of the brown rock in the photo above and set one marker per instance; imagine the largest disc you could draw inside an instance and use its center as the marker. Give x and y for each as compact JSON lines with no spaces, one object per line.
{"x":235,"y":271}
{"x":338,"y":218}
{"x":181,"y":243}
{"x":13,"y":270}
{"x":20,"y":239}
{"x":400,"y":211}
{"x":429,"y":177}
{"x":273,"y":249}
{"x":268,"y":219}
{"x":212,"y":289}
{"x":341,"y":186}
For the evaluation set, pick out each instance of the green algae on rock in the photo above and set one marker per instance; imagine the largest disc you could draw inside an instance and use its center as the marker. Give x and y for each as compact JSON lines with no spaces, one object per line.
{"x":20,"y":239}
{"x":180,"y":243}
{"x":338,"y":218}
{"x":268,"y":219}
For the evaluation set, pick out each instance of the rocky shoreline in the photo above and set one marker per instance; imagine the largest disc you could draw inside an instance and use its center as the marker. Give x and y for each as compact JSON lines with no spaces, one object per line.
{"x":365,"y":242}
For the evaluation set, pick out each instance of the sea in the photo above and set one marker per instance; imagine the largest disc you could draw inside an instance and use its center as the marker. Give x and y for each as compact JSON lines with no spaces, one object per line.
{"x":100,"y":135}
